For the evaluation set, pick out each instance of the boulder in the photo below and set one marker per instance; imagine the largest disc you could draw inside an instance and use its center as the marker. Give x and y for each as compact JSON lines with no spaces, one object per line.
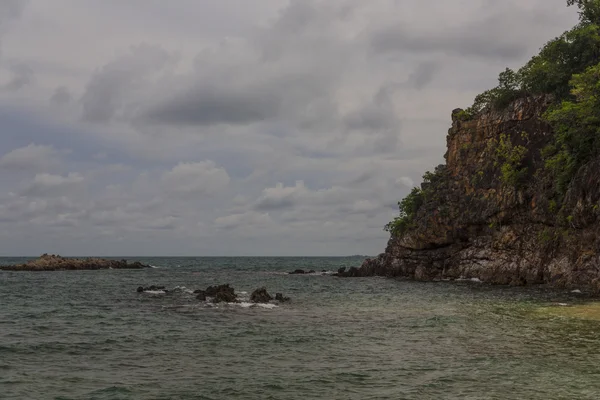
{"x":260,"y":296}
{"x":220,"y":293}
{"x":312,"y":271}
{"x":212,"y":291}
{"x":341,"y":270}
{"x":224,"y":296}
{"x":297,"y":272}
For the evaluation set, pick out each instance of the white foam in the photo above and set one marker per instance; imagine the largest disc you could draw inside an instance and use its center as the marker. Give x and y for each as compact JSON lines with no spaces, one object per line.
{"x":469,"y":280}
{"x":155,"y":291}
{"x":267,"y":305}
{"x":563,"y":304}
{"x":576,"y":291}
{"x":245,"y":304}
{"x":153,"y":266}
{"x":183,"y":289}
{"x":243,"y":293}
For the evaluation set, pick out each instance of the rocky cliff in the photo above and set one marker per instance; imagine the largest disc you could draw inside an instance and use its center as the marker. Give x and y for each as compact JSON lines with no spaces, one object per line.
{"x":491,"y":211}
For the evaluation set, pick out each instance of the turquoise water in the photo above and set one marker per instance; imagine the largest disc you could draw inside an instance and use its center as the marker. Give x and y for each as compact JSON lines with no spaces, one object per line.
{"x":89,"y":335}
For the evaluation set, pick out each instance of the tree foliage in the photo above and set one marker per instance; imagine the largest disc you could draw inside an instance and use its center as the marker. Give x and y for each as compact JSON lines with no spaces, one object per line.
{"x":550,"y":71}
{"x":408,"y":211}
{"x":589,"y":10}
{"x":577,"y":126}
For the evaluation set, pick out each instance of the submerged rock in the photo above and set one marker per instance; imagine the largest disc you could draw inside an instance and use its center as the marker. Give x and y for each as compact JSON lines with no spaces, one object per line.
{"x":260,"y":296}
{"x":280,"y":297}
{"x":152,"y":288}
{"x":297,"y":272}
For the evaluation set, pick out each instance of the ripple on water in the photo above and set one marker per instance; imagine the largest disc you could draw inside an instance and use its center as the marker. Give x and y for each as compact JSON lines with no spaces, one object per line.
{"x":91,"y":335}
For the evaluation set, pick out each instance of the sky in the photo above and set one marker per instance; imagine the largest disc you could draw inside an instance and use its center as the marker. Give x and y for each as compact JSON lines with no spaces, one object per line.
{"x":236,"y":127}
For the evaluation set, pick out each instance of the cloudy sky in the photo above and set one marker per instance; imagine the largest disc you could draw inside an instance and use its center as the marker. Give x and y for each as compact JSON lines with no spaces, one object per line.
{"x":236,"y":127}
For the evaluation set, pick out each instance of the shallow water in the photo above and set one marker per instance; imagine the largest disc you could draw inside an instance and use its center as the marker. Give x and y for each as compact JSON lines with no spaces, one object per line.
{"x":89,"y":335}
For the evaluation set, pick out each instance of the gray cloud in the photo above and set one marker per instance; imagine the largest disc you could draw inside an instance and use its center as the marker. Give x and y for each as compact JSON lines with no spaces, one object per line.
{"x":61,"y":96}
{"x":21,"y":76}
{"x":209,"y":105}
{"x":497,"y":34}
{"x":9,"y":10}
{"x":32,"y":157}
{"x":108,"y":90}
{"x":345,"y":102}
{"x":423,"y":75}
{"x":44,"y":184}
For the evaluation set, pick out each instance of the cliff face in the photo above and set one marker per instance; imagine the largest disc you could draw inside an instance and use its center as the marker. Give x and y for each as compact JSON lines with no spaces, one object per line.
{"x":490,"y":212}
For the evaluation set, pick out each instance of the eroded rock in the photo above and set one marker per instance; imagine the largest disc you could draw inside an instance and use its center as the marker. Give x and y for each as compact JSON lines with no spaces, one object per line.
{"x":260,"y":296}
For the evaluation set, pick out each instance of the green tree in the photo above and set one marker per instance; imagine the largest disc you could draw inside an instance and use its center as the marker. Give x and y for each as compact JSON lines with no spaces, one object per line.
{"x":589,"y":10}
{"x":408,"y":211}
{"x":577,"y":126}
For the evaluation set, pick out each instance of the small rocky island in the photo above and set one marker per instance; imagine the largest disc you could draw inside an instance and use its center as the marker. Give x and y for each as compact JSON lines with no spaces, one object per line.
{"x":51,"y":262}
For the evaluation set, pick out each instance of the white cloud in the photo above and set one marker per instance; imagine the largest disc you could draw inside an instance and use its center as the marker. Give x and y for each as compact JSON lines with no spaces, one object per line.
{"x":197,"y":177}
{"x":31,"y":157}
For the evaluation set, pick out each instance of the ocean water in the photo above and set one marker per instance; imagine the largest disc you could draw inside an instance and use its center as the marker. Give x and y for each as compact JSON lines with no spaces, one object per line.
{"x":90,"y":335}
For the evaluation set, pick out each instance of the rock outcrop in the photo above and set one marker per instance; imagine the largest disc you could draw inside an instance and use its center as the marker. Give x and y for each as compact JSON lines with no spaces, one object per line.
{"x":483,"y":216}
{"x":218,"y":294}
{"x":260,"y":296}
{"x":51,"y":262}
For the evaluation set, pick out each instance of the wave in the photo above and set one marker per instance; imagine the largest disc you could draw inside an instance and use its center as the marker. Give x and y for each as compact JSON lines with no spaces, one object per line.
{"x":183,"y":289}
{"x":155,"y":291}
{"x":253,"y":305}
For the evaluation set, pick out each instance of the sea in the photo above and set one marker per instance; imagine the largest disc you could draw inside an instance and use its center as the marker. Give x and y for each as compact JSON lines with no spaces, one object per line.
{"x":90,"y":335}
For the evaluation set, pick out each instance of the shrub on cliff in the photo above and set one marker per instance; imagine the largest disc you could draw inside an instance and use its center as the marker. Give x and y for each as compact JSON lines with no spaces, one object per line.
{"x":408,"y":210}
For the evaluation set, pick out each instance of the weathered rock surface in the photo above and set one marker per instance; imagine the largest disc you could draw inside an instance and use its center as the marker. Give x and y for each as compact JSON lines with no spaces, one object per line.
{"x":475,"y":225}
{"x":218,"y":294}
{"x":51,"y":262}
{"x":260,"y":296}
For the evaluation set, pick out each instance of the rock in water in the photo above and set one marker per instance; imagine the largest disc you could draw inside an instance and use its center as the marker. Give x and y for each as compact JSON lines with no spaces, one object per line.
{"x":227,"y":297}
{"x":280,"y":297}
{"x":297,"y":272}
{"x":260,"y":296}
{"x":201,"y":295}
{"x":220,"y":293}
